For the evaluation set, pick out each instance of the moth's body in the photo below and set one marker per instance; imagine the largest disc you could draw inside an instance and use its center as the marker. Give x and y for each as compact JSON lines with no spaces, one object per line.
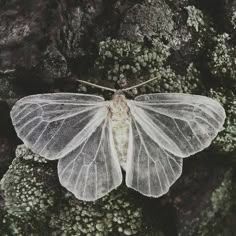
{"x":120,"y":119}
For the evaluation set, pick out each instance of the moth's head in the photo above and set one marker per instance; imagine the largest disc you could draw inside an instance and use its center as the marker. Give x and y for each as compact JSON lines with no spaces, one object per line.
{"x":118,"y":96}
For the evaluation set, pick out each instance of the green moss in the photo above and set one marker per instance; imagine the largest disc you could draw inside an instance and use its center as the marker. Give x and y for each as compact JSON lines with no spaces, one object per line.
{"x":35,"y":202}
{"x":3,"y":222}
{"x":27,"y":188}
{"x":115,"y":214}
{"x":192,"y":82}
{"x":233,"y":19}
{"x":195,"y":18}
{"x":226,"y":140}
{"x":222,"y":62}
{"x":121,"y":60}
{"x":169,"y":82}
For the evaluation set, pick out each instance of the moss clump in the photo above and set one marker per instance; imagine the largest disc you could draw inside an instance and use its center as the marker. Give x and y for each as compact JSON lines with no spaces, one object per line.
{"x":27,"y":189}
{"x":233,"y":19}
{"x":120,"y":60}
{"x":3,"y":223}
{"x":35,"y":203}
{"x":114,"y":214}
{"x":222,"y":62}
{"x":191,"y":82}
{"x":226,"y":140}
{"x":169,"y":82}
{"x":195,"y":18}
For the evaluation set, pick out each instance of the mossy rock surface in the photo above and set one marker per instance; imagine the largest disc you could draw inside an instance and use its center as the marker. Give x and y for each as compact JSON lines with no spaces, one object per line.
{"x":188,"y":45}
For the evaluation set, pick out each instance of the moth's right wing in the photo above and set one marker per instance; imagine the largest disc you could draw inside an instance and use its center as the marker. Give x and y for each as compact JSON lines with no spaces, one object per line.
{"x":151,"y":169}
{"x":164,"y":129}
{"x":92,"y":170}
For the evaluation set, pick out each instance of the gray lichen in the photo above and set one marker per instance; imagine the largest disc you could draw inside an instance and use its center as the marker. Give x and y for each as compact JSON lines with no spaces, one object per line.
{"x":54,"y":64}
{"x":147,"y":21}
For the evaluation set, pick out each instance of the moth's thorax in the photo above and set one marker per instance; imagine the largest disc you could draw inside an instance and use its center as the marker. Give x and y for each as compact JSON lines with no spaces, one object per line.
{"x":119,"y":112}
{"x":118,"y":107}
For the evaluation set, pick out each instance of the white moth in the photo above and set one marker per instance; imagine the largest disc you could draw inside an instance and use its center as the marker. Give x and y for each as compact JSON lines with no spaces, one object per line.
{"x":148,"y":137}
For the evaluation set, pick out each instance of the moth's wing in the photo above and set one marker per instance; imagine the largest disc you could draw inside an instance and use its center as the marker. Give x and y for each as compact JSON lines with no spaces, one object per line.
{"x":150,"y":169}
{"x":54,"y":124}
{"x":92,"y":170}
{"x":183,"y":124}
{"x":164,"y":129}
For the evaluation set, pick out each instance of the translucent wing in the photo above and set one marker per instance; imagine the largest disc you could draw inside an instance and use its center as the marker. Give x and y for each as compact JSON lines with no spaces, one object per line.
{"x":150,"y":169}
{"x":54,"y":124}
{"x":75,"y":129}
{"x":92,"y":169}
{"x":164,"y":129}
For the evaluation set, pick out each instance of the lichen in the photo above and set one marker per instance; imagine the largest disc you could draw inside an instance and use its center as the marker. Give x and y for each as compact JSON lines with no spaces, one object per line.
{"x":146,"y":21}
{"x":54,"y":64}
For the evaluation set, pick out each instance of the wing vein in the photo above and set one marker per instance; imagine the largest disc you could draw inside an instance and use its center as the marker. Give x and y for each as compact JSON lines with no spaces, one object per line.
{"x":182,"y":134}
{"x":26,"y":123}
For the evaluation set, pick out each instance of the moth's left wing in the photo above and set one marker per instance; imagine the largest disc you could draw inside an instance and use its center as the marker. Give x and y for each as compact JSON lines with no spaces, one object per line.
{"x":53,"y":124}
{"x":164,"y":129}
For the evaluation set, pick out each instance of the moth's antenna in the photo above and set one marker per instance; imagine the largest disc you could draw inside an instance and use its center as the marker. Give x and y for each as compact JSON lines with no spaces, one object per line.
{"x":8,"y":71}
{"x":95,"y":85}
{"x":138,"y":85}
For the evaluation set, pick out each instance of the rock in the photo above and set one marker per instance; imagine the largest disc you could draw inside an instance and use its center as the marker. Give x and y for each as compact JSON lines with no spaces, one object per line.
{"x":7,"y":138}
{"x":205,"y":197}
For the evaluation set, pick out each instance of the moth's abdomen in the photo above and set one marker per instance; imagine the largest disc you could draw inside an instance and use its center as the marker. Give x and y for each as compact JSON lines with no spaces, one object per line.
{"x":120,"y":126}
{"x":120,"y":129}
